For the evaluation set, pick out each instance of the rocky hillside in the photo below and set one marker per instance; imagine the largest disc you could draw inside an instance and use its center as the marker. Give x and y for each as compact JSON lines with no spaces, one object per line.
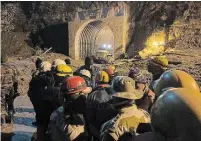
{"x":40,"y":20}
{"x":23,"y":23}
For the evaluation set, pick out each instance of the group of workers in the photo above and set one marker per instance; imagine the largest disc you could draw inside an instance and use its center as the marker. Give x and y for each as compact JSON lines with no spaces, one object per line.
{"x":96,"y":104}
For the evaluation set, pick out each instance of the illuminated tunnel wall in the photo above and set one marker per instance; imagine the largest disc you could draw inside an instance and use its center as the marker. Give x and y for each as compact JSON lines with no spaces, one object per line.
{"x":96,"y":34}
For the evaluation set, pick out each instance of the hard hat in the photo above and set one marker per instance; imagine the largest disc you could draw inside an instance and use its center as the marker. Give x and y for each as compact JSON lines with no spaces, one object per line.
{"x":176,"y":79}
{"x":139,"y":75}
{"x":134,"y":72}
{"x":110,"y":71}
{"x":102,"y":76}
{"x":125,"y":88}
{"x":57,"y":62}
{"x":63,"y":70}
{"x":176,"y":112}
{"x":45,"y":66}
{"x":75,"y":84}
{"x":112,"y":67}
{"x":86,"y":73}
{"x":160,"y":61}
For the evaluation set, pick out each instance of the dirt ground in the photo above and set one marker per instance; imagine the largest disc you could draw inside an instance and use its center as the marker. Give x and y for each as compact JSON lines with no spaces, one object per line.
{"x":188,"y":60}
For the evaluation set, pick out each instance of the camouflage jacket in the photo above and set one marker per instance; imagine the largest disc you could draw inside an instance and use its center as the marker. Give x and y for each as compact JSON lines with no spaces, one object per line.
{"x":128,"y":120}
{"x":66,"y":127}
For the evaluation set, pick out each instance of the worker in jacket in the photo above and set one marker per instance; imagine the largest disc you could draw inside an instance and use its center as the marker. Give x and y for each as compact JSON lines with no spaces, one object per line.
{"x":67,"y":123}
{"x":89,"y":65}
{"x":175,"y":116}
{"x":129,"y":116}
{"x":98,"y":111}
{"x":38,"y":86}
{"x":141,"y":82}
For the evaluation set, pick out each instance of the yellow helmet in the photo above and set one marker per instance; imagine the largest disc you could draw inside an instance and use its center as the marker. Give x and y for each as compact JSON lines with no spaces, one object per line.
{"x":64,"y":70}
{"x":175,"y":79}
{"x":57,"y":62}
{"x":45,"y":66}
{"x":160,"y":61}
{"x":102,"y":77}
{"x":177,"y":113}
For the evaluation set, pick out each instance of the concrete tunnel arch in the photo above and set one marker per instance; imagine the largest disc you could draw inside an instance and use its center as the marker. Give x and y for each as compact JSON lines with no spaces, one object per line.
{"x":90,"y":36}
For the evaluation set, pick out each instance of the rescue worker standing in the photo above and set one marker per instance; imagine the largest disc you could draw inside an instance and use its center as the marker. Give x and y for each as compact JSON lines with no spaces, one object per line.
{"x":68,"y":121}
{"x":88,"y":65}
{"x":37,"y":64}
{"x":175,"y":116}
{"x":148,"y":98}
{"x":98,"y":111}
{"x":141,"y":83}
{"x":53,"y":98}
{"x":61,"y":72}
{"x":129,"y":116}
{"x":37,"y":88}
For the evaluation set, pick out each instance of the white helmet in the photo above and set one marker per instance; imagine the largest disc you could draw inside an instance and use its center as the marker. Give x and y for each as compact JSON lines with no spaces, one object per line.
{"x":85,"y":73}
{"x":57,"y":62}
{"x":45,"y":66}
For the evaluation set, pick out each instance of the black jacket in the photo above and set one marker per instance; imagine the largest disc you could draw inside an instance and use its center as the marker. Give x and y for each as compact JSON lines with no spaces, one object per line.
{"x":97,"y":108}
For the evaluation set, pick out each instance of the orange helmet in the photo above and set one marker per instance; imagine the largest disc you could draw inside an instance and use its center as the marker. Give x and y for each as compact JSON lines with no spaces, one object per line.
{"x":110,"y":71}
{"x":75,"y":84}
{"x":175,"y":79}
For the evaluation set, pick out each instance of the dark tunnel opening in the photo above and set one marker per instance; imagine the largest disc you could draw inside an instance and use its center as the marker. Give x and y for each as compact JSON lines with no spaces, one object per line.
{"x":55,"y":36}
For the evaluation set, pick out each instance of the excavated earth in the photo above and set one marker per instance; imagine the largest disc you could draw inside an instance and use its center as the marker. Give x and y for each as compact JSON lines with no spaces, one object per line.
{"x":188,"y":60}
{"x":21,"y":70}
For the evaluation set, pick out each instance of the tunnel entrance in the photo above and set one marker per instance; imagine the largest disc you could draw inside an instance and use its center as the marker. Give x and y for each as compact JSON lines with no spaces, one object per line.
{"x":104,"y":28}
{"x":94,"y":36}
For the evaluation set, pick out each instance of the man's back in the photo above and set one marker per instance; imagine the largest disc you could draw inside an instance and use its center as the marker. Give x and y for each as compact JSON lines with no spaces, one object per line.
{"x":98,"y":110}
{"x":67,"y":127}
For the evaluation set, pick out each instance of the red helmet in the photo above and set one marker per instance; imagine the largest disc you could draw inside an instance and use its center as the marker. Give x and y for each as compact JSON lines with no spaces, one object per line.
{"x":75,"y":84}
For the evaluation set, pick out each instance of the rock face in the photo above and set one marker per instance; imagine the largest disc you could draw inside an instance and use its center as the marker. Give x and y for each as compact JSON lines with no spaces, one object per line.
{"x":146,"y":17}
{"x":20,"y":72}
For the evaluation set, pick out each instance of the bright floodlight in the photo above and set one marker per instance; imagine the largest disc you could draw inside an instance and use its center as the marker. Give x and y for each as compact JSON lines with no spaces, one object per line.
{"x":162,"y":43}
{"x":104,"y":45}
{"x":155,"y":43}
{"x":109,"y":46}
